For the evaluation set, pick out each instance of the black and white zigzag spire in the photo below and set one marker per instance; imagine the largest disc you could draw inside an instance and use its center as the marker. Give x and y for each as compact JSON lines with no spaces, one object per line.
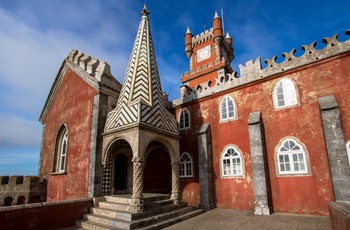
{"x":141,"y":99}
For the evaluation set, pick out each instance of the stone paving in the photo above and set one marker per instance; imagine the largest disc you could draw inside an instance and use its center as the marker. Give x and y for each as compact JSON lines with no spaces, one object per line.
{"x":246,"y":220}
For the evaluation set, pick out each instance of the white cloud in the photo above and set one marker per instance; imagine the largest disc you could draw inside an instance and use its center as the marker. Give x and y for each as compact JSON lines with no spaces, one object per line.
{"x":19,"y":131}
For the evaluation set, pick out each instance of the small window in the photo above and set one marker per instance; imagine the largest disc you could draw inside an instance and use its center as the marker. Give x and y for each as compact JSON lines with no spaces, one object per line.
{"x":291,"y":158}
{"x":184,"y":121}
{"x":227,"y":108}
{"x":285,"y":94}
{"x":61,"y":151}
{"x":186,"y":165}
{"x":232,"y":164}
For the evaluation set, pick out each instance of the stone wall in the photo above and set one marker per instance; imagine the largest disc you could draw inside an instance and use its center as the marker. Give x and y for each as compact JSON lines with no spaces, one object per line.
{"x":17,"y":190}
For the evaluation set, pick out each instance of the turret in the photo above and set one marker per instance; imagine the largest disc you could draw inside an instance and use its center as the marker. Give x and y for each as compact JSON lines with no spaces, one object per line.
{"x":188,"y":43}
{"x":217,"y":29}
{"x":230,"y":46}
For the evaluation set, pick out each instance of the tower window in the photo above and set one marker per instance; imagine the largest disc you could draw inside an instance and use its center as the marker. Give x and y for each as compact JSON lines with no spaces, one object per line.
{"x":184,"y":119}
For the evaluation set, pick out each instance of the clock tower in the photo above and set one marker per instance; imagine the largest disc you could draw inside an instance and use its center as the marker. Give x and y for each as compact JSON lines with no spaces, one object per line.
{"x":207,"y":52}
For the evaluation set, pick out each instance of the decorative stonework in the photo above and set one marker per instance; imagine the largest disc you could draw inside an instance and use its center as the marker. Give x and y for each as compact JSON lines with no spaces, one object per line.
{"x":137,"y":201}
{"x":141,"y":99}
{"x":175,"y":180}
{"x":253,"y":71}
{"x":333,"y":47}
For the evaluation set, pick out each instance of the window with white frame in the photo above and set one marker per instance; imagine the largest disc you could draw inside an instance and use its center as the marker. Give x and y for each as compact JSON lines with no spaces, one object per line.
{"x":348,"y":150}
{"x":227,"y":108}
{"x":184,"y":120}
{"x":285,"y":94}
{"x":291,"y":158}
{"x":61,"y":151}
{"x":231,"y":163}
{"x":186,"y":165}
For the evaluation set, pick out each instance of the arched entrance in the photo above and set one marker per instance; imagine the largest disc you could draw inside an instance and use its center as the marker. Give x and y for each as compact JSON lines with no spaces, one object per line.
{"x":157,"y":171}
{"x":118,"y":172}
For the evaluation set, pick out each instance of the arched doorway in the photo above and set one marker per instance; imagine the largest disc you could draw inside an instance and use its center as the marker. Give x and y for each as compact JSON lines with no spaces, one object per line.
{"x":157,"y":171}
{"x":120,"y":172}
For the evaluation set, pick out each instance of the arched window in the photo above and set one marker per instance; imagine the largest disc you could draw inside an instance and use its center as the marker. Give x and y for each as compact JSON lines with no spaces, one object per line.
{"x":291,"y":158}
{"x":61,"y":151}
{"x":285,"y":94}
{"x":227,"y":108}
{"x":186,"y":165}
{"x":184,"y":120}
{"x":232,"y":162}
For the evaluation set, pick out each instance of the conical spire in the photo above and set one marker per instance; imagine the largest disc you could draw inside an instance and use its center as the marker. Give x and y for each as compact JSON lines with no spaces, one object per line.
{"x":141,"y":98}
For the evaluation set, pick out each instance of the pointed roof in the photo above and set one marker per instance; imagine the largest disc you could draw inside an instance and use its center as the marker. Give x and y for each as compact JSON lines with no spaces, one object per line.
{"x":141,"y":100}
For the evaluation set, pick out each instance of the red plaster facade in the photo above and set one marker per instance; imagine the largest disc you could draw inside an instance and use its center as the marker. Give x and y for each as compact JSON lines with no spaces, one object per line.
{"x":300,"y":194}
{"x":72,"y":106}
{"x":210,"y":55}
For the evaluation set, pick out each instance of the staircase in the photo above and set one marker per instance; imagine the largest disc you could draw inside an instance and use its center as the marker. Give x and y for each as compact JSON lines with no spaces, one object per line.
{"x":114,"y":213}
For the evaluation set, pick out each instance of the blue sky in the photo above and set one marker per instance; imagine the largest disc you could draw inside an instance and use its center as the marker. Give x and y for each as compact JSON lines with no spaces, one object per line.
{"x":36,"y":35}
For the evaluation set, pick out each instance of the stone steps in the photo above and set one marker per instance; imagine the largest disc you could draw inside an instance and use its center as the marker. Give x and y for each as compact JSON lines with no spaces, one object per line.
{"x":113,"y":213}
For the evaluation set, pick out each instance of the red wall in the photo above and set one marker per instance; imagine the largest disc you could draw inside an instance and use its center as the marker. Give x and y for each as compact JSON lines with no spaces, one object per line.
{"x":43,"y":216}
{"x":293,"y":194}
{"x":72,"y":106}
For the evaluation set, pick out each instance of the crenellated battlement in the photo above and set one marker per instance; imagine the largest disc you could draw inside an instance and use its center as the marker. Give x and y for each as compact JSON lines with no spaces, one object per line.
{"x":252,"y":71}
{"x":21,"y":189}
{"x":98,"y":69}
{"x":91,"y":65}
{"x":202,"y":37}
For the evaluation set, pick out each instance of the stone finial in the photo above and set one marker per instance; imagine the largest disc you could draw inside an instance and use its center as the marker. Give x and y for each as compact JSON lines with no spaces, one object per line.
{"x":144,"y":11}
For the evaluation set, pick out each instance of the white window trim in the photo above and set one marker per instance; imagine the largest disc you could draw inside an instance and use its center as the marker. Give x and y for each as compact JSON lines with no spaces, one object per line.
{"x":286,"y":105}
{"x":63,"y":152}
{"x":240,"y":156}
{"x":347,"y":145}
{"x":182,"y":113}
{"x":228,"y":118}
{"x":185,"y":164}
{"x":292,"y":172}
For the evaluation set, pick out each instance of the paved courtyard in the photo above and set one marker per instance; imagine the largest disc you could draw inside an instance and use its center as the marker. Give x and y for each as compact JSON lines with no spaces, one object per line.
{"x":244,"y":220}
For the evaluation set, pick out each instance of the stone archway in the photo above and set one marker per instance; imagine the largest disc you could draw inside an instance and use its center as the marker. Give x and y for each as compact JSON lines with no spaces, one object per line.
{"x":157,"y":177}
{"x":118,"y":168}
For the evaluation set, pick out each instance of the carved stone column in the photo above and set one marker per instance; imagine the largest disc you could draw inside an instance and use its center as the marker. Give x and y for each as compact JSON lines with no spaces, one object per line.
{"x":137,"y":189}
{"x":175,"y":179}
